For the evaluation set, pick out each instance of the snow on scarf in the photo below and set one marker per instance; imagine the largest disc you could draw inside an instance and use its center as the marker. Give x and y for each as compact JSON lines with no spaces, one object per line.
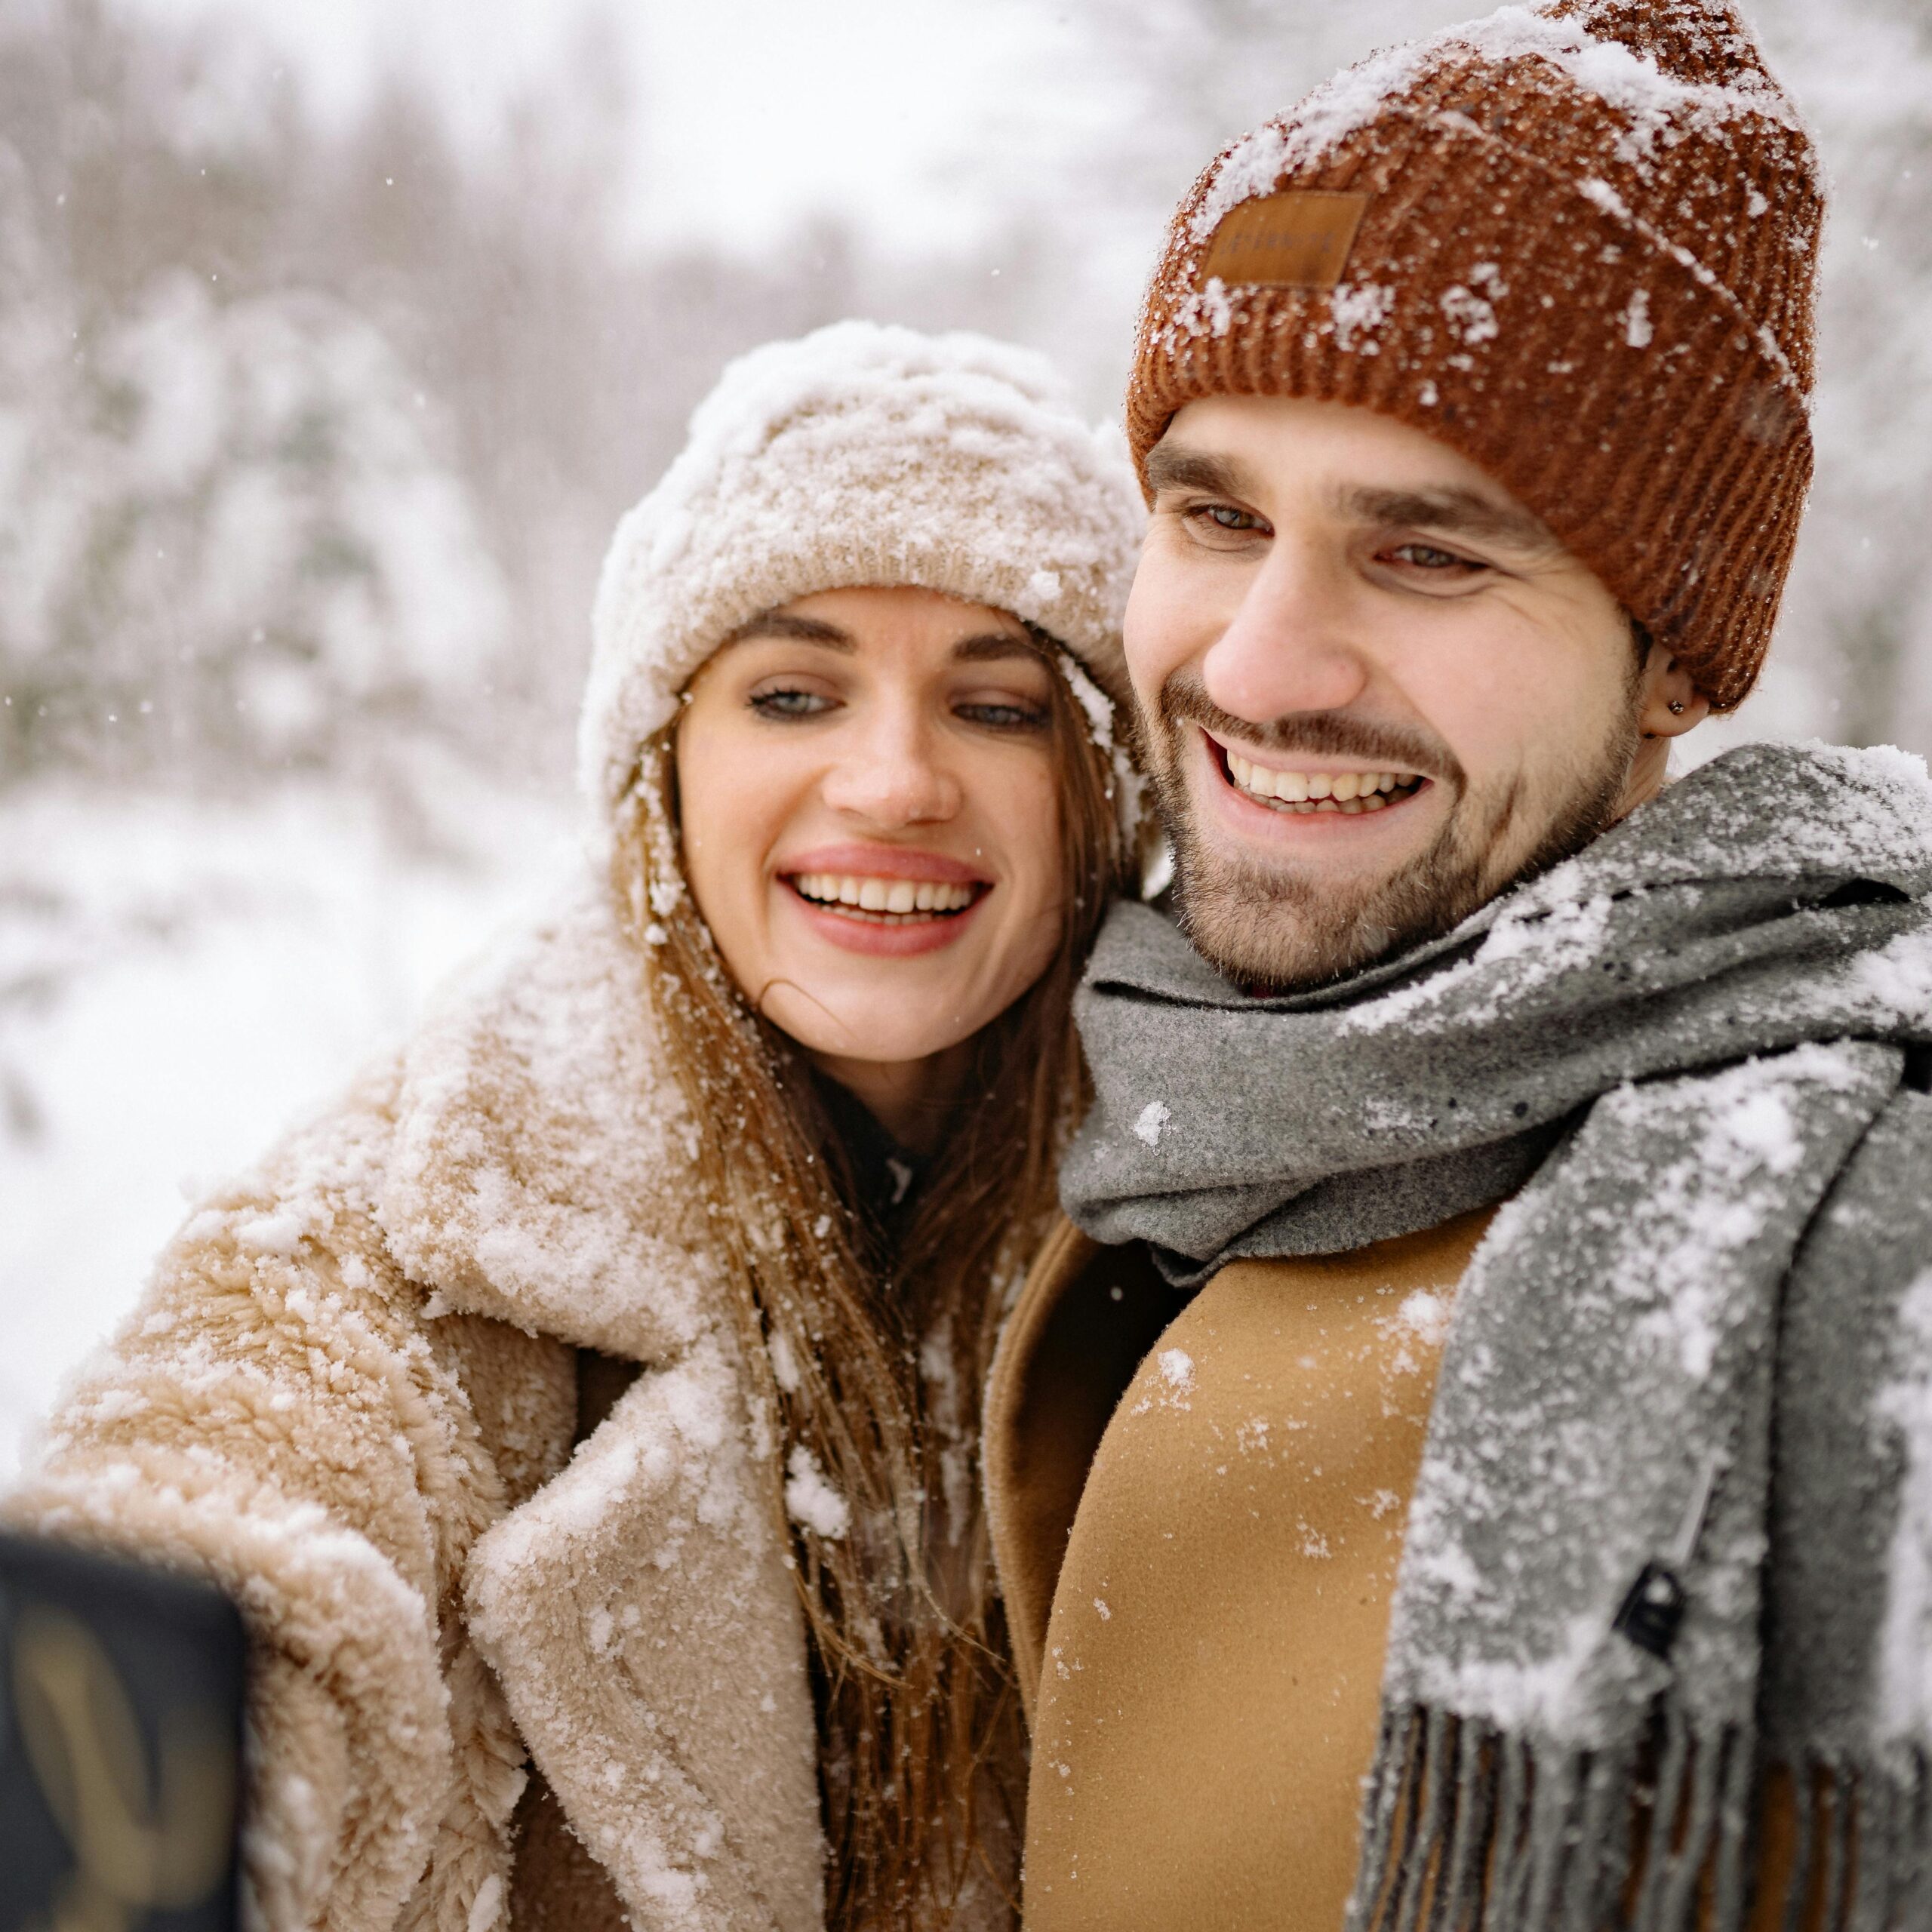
{"x":1673,"y":1534}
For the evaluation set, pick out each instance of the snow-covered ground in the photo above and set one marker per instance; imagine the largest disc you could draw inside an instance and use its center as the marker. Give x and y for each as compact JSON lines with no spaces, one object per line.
{"x":179,"y":978}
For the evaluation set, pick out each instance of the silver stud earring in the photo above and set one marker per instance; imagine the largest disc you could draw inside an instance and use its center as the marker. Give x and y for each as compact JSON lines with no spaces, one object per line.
{"x":1676,"y":707}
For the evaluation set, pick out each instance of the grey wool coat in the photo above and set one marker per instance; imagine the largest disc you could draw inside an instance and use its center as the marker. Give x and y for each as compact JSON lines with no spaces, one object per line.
{"x":349,"y":1397}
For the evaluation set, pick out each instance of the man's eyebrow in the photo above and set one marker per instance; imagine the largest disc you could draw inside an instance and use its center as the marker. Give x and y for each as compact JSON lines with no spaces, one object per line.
{"x":1177,"y":467}
{"x":800,"y":630}
{"x":1450,"y":509}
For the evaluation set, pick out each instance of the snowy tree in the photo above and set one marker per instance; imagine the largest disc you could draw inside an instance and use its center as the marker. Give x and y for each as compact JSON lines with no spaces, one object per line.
{"x":442,"y":442}
{"x":232,"y":537}
{"x":1857,"y":632}
{"x":226,"y":526}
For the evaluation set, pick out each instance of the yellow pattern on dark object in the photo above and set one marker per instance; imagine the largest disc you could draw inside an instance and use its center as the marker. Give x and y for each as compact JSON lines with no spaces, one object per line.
{"x":138,"y":1842}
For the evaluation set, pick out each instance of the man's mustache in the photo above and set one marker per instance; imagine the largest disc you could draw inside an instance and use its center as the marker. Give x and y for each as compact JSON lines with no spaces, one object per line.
{"x":1320,"y":733}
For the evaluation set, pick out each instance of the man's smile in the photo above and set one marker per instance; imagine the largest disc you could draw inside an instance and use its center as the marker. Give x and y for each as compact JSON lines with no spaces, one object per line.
{"x":1281,"y":789}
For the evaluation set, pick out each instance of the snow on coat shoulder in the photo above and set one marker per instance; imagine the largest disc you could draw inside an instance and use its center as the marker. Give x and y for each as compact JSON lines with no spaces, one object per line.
{"x":543,"y":1165}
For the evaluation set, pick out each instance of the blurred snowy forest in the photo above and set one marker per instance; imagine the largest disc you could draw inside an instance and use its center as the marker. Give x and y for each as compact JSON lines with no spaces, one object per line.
{"x":312,"y":430}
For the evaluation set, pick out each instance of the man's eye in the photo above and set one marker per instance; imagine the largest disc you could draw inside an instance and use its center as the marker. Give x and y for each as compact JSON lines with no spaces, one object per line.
{"x":789,"y":703}
{"x":1225,"y":516}
{"x":1426,"y":556}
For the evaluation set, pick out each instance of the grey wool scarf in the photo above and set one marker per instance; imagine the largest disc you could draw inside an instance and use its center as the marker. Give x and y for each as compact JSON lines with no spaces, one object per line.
{"x":1671,"y":1544}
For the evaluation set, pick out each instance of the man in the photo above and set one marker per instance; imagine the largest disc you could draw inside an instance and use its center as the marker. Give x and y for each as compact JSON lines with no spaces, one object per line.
{"x":1470,"y":1452}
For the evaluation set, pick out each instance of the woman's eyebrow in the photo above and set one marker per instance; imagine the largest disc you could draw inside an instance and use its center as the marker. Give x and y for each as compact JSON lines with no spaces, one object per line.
{"x":990,"y":647}
{"x":983,"y":647}
{"x":800,"y":630}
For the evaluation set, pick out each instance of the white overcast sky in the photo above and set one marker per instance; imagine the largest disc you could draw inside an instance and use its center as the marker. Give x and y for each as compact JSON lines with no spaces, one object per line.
{"x":905,"y":113}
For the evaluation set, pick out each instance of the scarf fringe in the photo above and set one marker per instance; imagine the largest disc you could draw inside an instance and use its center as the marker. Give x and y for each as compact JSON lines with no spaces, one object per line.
{"x":1467,"y":1828}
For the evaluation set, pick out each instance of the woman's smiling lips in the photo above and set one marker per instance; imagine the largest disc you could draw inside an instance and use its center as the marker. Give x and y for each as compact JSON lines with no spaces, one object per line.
{"x":888,"y":901}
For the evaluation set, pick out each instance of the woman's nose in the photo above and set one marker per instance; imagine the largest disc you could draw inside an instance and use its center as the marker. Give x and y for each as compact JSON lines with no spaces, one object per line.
{"x":1288,"y":649}
{"x":893,"y":777}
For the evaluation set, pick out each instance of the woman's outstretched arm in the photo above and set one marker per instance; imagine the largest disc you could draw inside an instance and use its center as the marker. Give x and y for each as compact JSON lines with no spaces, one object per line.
{"x":277,"y":1415}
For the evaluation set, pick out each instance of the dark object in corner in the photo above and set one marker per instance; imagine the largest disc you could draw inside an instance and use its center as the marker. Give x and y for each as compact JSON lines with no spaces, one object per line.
{"x":121,"y":1709}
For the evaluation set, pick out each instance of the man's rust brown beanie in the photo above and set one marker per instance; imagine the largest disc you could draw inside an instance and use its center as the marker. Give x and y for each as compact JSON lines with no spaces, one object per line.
{"x":1576,"y":243}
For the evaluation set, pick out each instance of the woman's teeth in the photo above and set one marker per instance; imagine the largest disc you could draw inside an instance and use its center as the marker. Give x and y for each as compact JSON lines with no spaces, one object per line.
{"x":882,"y":895}
{"x":1322,"y":791}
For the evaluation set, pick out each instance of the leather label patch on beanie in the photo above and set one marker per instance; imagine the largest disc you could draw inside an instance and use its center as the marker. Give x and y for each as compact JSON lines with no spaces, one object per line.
{"x":1300,"y":239}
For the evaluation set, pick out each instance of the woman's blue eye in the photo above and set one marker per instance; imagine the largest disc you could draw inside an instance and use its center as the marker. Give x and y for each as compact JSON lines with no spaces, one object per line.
{"x":1003,"y":717}
{"x":790,"y":704}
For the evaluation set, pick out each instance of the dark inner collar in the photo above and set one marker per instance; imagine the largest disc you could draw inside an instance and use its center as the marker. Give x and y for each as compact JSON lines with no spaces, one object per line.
{"x":881,"y":1179}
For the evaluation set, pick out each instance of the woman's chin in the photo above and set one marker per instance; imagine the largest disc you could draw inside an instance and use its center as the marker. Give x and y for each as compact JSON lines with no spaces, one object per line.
{"x":833,"y":1024}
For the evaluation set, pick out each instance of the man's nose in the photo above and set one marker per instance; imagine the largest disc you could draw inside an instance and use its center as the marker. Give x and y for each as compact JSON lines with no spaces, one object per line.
{"x":894,"y":776}
{"x":1289,"y":648}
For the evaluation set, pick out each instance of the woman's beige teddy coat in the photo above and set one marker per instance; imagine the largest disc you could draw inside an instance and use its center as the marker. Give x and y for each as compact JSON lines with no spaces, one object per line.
{"x":349,"y":1397}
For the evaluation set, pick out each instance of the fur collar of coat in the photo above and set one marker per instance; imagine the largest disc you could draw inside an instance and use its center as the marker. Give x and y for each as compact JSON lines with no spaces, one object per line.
{"x":349,"y":1396}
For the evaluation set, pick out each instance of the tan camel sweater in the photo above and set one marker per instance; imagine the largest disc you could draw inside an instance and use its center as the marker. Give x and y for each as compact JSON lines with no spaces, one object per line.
{"x":1205,"y":1688}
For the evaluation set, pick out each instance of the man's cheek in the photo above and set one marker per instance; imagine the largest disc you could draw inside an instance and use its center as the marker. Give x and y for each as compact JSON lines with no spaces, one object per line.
{"x":1155,"y":633}
{"x":1143,"y":670}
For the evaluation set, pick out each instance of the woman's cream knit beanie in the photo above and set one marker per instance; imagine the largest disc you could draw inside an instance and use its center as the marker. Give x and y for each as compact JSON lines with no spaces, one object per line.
{"x":859,"y":455}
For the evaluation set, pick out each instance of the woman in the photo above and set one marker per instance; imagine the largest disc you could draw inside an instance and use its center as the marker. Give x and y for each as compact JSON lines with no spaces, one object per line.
{"x":599,"y":1382}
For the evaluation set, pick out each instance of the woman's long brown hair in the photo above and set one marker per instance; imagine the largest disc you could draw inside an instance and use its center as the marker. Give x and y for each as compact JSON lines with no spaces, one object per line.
{"x":873,"y":1384}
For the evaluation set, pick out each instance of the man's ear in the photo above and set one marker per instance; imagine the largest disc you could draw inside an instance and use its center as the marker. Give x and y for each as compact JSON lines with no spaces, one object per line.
{"x":1669,"y":704}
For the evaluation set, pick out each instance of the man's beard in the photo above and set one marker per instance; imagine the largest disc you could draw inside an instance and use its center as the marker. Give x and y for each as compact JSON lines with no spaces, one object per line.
{"x":1278,"y":926}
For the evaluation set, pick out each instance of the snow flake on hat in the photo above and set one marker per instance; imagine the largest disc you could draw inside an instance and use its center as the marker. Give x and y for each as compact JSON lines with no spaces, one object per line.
{"x":1359,"y":308}
{"x":1209,"y":311}
{"x":1472,"y":310}
{"x":1636,"y":319}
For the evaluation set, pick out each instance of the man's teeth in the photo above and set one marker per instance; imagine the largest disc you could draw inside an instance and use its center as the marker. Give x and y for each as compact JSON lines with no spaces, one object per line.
{"x":1316,"y":791}
{"x":882,"y":895}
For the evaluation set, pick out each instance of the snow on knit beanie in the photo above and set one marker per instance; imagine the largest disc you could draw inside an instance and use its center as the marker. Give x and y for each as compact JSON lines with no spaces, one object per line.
{"x":1578,"y":243}
{"x":858,"y":455}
